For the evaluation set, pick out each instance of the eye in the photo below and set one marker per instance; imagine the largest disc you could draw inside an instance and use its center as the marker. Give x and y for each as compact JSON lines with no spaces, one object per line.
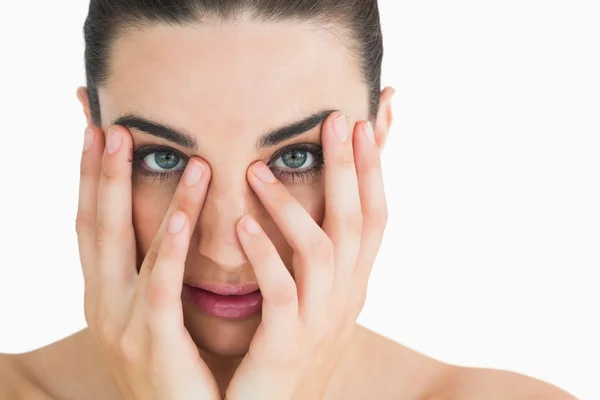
{"x":161,"y":161}
{"x":158,"y":163}
{"x":298,"y":163}
{"x":295,"y":159}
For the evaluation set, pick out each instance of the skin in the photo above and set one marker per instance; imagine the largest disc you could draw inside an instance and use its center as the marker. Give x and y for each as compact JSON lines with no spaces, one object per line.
{"x":257,"y":77}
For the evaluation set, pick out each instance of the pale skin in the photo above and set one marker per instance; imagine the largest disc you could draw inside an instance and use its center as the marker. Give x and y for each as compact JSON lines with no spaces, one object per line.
{"x":311,"y":252}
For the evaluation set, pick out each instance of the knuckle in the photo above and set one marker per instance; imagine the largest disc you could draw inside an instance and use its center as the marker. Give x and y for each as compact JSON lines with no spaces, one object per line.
{"x":322,"y":251}
{"x":106,"y":332}
{"x":86,"y":169}
{"x":105,"y":233}
{"x":102,"y":232}
{"x":345,"y":159}
{"x":187,"y":199}
{"x":283,"y":293}
{"x":128,"y":349}
{"x":157,"y":295}
{"x":382,"y":217}
{"x":83,"y":223}
{"x":379,"y":216}
{"x":354,"y":222}
{"x":110,"y":174}
{"x":359,"y":298}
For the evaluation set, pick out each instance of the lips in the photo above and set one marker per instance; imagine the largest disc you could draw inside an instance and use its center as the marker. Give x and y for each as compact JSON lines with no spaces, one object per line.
{"x":224,"y":300}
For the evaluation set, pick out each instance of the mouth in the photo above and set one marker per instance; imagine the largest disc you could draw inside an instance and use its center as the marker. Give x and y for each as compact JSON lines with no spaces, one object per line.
{"x":225,"y":301}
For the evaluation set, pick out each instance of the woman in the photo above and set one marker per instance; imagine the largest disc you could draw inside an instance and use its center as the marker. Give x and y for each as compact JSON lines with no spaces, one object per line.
{"x":231,"y":207}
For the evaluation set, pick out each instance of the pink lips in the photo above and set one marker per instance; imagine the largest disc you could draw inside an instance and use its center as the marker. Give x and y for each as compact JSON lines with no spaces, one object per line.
{"x":225,"y":301}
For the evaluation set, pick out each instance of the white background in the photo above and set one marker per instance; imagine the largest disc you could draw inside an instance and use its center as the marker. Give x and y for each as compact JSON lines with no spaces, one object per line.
{"x":492,"y":251}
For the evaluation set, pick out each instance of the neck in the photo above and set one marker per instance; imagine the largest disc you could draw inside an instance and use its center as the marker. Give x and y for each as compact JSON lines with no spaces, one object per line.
{"x":221,"y":367}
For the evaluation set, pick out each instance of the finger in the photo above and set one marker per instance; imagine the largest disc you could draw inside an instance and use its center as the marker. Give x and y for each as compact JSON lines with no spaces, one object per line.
{"x":188,"y":198}
{"x":372,"y":199}
{"x":313,"y":251}
{"x":278,"y":289}
{"x":343,"y":216}
{"x":163,"y":286}
{"x":163,"y":313}
{"x":85,"y":225}
{"x":114,"y":228}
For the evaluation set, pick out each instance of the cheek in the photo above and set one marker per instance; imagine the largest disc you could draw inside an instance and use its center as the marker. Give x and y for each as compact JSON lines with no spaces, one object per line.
{"x":312,"y":198}
{"x":149,"y":208}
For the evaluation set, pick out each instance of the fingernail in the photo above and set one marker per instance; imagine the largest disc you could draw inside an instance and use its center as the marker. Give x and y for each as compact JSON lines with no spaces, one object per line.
{"x":250,"y":225}
{"x":340,"y":126}
{"x":88,"y":139}
{"x":176,"y":222}
{"x":263,"y":172}
{"x":368,"y":132}
{"x":193,"y":173}
{"x":114,"y":141}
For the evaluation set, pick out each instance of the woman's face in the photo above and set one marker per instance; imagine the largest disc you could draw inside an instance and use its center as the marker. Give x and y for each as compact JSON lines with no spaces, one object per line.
{"x":226,"y":86}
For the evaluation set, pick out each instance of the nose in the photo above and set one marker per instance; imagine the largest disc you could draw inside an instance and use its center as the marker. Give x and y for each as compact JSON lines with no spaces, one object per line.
{"x":227,"y":200}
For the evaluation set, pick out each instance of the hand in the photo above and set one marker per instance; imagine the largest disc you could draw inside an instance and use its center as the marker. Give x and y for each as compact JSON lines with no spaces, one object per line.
{"x":306,"y":323}
{"x":138,"y":319}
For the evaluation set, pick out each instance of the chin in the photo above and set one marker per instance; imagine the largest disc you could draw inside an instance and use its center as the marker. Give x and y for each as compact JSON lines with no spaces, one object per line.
{"x":221,"y":337}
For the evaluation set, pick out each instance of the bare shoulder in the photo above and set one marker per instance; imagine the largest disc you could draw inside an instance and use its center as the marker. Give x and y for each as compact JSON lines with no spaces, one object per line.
{"x":70,"y":368}
{"x":385,"y":369}
{"x":7,"y":376}
{"x":381,"y":368}
{"x":13,"y":379}
{"x":491,"y":384}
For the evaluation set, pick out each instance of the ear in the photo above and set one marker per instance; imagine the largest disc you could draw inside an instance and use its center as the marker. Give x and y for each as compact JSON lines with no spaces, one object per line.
{"x":384,"y":117}
{"x":84,"y":99}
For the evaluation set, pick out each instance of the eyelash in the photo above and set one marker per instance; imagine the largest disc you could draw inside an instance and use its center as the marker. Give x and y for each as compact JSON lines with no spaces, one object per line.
{"x":138,"y":163}
{"x":286,"y":176}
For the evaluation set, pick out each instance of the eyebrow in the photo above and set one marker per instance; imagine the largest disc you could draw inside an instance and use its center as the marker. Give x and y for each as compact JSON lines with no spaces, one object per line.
{"x":269,"y":139}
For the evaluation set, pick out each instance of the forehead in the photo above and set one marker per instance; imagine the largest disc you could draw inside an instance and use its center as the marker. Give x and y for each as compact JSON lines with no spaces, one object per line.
{"x":235,"y":79}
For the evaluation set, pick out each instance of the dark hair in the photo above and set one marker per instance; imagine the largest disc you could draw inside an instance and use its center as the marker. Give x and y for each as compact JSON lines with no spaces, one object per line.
{"x":356,"y":20}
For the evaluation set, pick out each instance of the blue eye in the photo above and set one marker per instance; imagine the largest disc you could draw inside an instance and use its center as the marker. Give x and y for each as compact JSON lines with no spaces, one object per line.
{"x":164,"y":161}
{"x":294,"y":164}
{"x":158,"y":163}
{"x":295,"y":159}
{"x":298,"y":163}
